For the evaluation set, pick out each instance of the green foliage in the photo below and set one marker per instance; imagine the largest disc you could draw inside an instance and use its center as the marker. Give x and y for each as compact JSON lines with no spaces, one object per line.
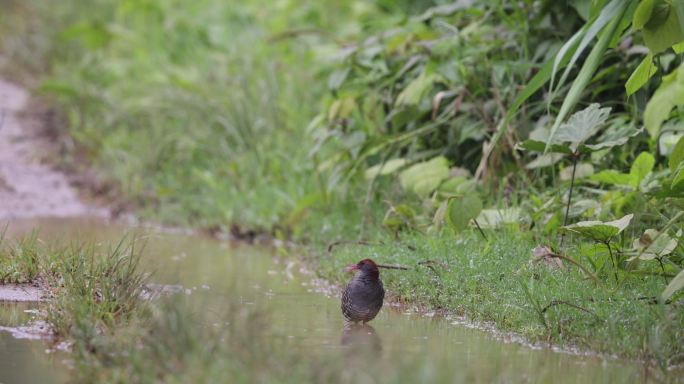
{"x":600,"y":231}
{"x":660,"y":22}
{"x":675,"y":284}
{"x":669,"y":95}
{"x":424,"y":178}
{"x":461,"y":210}
{"x":652,"y":245}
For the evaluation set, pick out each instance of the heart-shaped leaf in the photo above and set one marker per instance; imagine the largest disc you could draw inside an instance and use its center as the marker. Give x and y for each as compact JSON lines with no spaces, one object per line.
{"x":424,"y":178}
{"x":651,"y":245}
{"x":598,"y":230}
{"x":494,"y":218}
{"x":581,"y":126}
{"x":461,"y":210}
{"x":390,"y":166}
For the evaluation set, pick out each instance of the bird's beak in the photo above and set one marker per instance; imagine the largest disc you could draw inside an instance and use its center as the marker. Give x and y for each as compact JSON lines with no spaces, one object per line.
{"x":351,"y":268}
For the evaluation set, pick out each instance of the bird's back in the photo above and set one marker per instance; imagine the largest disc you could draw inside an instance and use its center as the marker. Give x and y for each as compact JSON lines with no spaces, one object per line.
{"x":362,"y":299}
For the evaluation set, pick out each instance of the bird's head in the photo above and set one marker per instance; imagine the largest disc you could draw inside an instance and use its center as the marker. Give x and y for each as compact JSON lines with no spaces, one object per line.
{"x":365,"y":266}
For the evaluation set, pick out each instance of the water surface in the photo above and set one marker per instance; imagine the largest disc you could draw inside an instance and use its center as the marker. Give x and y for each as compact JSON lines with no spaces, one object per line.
{"x":210,"y":271}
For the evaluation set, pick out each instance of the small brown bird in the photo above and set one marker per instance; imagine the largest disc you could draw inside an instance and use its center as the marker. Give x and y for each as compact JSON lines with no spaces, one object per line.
{"x":363,"y":296}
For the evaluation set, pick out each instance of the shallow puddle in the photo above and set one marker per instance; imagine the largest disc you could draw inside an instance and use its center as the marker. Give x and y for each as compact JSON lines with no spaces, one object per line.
{"x":210,"y":271}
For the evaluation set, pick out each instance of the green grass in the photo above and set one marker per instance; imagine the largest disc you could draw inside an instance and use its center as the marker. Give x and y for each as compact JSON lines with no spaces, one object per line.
{"x":495,"y":283}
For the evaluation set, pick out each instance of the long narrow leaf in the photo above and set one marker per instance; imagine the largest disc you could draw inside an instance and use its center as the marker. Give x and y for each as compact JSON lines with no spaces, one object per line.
{"x":608,"y":13}
{"x":588,"y":69}
{"x":570,"y":47}
{"x":537,"y":81}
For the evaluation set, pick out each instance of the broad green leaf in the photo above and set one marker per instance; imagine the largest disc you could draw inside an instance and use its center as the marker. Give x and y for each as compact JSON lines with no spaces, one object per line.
{"x":581,"y":126}
{"x":598,"y":230}
{"x":414,"y":92}
{"x":612,"y":177}
{"x":583,"y":170}
{"x":650,"y":245}
{"x":546,"y":160}
{"x":642,"y":14}
{"x":337,"y":78}
{"x":341,"y":108}
{"x":678,"y":48}
{"x":678,"y":177}
{"x":423,"y":178}
{"x":663,"y":29}
{"x":539,"y":146}
{"x":494,"y":218}
{"x":390,"y":166}
{"x":642,"y":166}
{"x":669,"y":95}
{"x":458,"y":185}
{"x":675,"y":284}
{"x":461,"y":210}
{"x":399,"y":217}
{"x":580,"y":207}
{"x":677,"y":154}
{"x":614,"y":136}
{"x":641,"y":75}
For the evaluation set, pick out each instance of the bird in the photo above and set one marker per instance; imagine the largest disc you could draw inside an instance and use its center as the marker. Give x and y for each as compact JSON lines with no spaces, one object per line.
{"x":363,"y":296}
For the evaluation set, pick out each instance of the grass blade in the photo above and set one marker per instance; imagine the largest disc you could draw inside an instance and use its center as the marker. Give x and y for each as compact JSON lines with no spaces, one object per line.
{"x":588,"y":69}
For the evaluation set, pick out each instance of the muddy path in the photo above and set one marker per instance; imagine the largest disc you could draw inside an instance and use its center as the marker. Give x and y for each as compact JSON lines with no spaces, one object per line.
{"x":29,"y":187}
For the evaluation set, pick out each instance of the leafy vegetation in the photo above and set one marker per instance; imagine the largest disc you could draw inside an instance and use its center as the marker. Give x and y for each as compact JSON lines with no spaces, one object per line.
{"x":403,"y":123}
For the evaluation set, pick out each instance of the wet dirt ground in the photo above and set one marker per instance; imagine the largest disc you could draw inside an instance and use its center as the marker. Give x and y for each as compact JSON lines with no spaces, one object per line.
{"x":28,"y":186}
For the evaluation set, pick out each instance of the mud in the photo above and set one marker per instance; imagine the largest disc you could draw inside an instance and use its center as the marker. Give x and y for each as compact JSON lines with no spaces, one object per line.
{"x":28,"y":186}
{"x":21,"y":293}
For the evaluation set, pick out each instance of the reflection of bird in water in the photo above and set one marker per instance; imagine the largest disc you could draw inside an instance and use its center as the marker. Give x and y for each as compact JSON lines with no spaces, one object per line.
{"x":361,"y":337}
{"x":363,"y":296}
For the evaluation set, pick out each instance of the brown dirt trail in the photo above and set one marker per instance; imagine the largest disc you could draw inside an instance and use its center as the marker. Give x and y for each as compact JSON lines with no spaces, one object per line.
{"x":28,"y":187}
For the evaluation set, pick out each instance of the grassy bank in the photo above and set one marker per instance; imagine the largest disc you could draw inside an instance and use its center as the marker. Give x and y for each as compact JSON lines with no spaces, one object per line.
{"x":374,"y":121}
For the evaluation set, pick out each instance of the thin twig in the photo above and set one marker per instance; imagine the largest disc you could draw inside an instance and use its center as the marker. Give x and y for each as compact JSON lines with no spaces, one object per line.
{"x":578,"y":265}
{"x":563,"y":302}
{"x":389,"y":266}
{"x":480,"y":229}
{"x":572,"y":184}
{"x":612,"y":260}
{"x":662,"y":267}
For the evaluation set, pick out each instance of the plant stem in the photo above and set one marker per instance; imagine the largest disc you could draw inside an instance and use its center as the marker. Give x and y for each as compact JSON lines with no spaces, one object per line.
{"x":580,"y":266}
{"x":662,"y":267}
{"x":575,"y":157}
{"x":480,"y":229}
{"x":612,"y":260}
